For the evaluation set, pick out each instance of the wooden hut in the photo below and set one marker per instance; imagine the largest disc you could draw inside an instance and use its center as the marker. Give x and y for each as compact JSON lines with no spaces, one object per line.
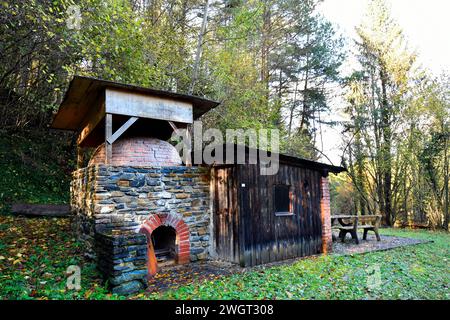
{"x":265,"y":218}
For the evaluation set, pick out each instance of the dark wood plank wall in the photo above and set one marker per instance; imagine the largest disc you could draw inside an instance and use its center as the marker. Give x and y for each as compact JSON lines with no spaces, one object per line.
{"x":225,"y":213}
{"x":266,"y":237}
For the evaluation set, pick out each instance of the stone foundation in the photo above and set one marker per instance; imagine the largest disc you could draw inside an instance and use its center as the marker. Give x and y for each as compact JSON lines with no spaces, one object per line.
{"x":121,"y":200}
{"x":122,"y":260}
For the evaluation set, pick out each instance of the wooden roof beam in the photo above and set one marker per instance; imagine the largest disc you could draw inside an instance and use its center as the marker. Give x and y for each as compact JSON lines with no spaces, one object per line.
{"x":91,"y":121}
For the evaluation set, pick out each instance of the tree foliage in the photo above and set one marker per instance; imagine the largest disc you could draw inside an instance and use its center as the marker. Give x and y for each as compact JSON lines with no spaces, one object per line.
{"x":259,"y":58}
{"x":397,"y":136}
{"x":271,"y":64}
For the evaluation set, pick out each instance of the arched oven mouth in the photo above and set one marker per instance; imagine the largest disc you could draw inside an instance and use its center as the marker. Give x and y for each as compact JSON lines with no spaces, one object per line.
{"x":167,"y":241}
{"x":164,"y":243}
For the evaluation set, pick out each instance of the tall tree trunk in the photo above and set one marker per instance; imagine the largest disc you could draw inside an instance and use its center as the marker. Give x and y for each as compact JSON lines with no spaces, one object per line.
{"x":360,"y":163}
{"x":291,"y":111}
{"x":386,"y":150}
{"x":446,"y":213}
{"x":265,"y":38}
{"x":377,"y":163}
{"x":182,"y":23}
{"x":199,"y":48}
{"x":305,"y":111}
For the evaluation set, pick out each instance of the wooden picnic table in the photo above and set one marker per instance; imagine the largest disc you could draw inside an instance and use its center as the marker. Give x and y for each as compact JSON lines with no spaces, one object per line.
{"x":351,"y":224}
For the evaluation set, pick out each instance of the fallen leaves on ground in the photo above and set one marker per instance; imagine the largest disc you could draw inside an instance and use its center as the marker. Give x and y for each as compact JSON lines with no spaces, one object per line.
{"x":35,"y":254}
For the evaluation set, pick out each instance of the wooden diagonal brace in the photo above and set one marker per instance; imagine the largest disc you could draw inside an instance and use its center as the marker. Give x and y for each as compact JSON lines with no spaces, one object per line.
{"x":174,"y":127}
{"x":121,"y":130}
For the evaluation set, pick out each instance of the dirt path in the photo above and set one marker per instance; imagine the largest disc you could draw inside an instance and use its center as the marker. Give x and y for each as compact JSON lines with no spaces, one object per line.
{"x":371,"y":244}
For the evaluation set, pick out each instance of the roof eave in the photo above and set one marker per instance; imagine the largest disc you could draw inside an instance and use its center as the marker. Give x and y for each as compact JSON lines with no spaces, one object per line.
{"x":200,"y":105}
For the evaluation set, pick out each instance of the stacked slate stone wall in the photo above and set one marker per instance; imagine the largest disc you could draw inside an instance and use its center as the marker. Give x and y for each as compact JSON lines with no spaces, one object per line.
{"x":122,"y":259}
{"x":83,"y":198}
{"x":120,"y":199}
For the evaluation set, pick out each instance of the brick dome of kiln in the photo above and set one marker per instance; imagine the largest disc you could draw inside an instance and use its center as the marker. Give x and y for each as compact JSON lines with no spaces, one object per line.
{"x":139,"y":151}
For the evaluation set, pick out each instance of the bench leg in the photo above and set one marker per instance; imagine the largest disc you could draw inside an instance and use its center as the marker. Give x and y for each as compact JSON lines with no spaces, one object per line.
{"x":365,"y":234}
{"x":342,"y":234}
{"x":355,"y":236}
{"x":377,"y":234}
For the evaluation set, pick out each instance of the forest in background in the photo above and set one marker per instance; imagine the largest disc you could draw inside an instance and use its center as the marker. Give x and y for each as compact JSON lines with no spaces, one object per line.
{"x":271,"y":64}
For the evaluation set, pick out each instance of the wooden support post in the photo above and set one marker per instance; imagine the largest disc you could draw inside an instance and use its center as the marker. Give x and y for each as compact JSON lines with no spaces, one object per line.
{"x":108,"y":134}
{"x":187,"y":156}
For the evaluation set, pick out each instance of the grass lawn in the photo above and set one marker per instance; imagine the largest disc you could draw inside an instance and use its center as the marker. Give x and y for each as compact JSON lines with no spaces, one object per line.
{"x":35,"y":253}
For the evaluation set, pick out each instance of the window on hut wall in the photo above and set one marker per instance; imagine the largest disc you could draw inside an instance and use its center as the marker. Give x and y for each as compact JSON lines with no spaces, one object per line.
{"x":283,"y":200}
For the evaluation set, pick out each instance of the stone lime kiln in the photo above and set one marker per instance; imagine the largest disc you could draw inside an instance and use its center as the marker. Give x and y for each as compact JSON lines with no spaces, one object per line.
{"x":135,"y":204}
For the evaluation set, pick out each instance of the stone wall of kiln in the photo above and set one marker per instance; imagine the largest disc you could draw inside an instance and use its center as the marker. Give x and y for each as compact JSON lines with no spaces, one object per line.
{"x":122,"y":260}
{"x":107,"y":198}
{"x":82,"y":202}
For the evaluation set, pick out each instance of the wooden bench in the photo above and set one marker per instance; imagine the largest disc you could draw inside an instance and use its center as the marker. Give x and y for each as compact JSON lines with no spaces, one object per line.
{"x":370,"y":223}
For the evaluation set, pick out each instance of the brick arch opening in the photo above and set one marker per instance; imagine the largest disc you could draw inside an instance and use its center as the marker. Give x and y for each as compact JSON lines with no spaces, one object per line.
{"x":154,"y":227}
